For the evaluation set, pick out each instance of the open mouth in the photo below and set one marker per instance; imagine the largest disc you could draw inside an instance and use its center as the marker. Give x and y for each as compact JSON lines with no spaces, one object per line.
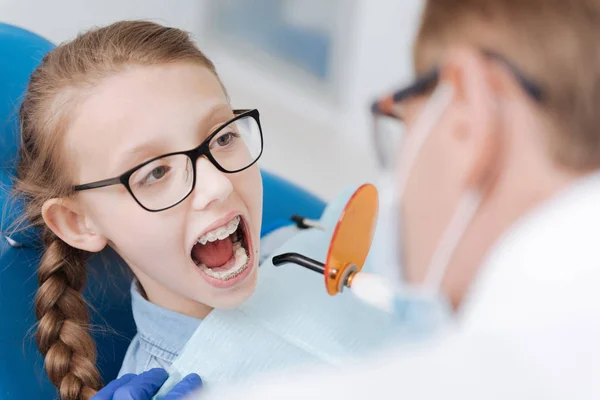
{"x":223,"y":253}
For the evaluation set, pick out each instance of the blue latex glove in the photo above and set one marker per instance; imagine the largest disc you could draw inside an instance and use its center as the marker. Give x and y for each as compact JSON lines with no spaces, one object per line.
{"x":145,"y":385}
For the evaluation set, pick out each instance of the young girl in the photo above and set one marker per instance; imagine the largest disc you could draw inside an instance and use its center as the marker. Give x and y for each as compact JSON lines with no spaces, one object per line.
{"x":129,"y":141}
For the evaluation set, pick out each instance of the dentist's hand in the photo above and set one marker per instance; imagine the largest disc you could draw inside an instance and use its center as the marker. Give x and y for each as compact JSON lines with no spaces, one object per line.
{"x":146,"y":385}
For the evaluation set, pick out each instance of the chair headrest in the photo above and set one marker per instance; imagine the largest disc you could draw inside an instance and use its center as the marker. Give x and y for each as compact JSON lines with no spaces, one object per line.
{"x":21,"y":51}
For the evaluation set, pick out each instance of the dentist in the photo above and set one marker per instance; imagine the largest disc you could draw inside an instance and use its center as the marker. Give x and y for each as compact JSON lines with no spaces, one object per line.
{"x":493,"y":200}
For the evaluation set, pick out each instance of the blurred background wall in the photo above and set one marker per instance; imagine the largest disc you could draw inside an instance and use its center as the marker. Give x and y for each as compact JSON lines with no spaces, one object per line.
{"x":312,"y":67}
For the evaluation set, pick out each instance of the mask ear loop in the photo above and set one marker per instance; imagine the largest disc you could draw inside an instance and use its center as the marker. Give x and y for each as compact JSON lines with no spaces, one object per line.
{"x":372,"y":288}
{"x":451,"y":237}
{"x":390,"y":197}
{"x":432,"y":113}
{"x":468,"y":206}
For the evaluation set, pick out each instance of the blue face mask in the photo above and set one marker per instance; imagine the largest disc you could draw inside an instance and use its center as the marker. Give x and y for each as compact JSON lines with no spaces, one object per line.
{"x":422,"y":308}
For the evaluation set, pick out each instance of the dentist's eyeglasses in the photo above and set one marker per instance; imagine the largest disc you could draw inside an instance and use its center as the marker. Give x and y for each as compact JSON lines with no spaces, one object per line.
{"x":167,"y":180}
{"x":389,"y":113}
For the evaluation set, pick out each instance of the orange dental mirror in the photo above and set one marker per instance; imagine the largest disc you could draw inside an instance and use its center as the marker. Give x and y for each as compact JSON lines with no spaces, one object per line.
{"x":349,"y":245}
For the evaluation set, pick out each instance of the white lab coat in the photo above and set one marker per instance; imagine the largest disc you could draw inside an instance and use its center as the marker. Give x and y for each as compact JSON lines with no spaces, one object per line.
{"x":528,"y":329}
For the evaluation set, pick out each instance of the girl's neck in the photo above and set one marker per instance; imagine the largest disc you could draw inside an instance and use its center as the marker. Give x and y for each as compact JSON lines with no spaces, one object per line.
{"x":174,"y":302}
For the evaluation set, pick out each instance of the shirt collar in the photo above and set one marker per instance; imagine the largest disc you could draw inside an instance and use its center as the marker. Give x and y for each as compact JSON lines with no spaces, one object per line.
{"x":159,"y":326}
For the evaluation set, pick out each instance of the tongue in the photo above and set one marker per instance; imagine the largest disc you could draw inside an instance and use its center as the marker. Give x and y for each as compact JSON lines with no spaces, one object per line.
{"x":214,"y":254}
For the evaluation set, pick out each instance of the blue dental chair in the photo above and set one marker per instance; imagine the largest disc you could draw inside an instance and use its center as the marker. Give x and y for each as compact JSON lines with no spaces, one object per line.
{"x":21,"y":365}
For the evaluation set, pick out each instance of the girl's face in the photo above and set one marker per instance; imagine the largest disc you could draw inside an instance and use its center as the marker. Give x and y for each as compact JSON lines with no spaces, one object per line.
{"x":142,"y":113}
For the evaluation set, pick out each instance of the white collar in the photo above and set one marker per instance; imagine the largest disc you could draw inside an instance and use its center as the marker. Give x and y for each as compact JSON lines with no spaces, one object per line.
{"x":556,"y":243}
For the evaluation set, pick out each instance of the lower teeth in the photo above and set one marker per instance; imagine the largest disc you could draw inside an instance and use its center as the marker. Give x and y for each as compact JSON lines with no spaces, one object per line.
{"x":241,"y":257}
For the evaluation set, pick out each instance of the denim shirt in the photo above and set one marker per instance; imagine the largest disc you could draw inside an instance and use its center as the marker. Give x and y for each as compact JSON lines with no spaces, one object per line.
{"x":157,"y":343}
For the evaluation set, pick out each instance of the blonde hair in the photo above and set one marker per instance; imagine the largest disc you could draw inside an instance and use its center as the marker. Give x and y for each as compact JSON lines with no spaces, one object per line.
{"x":554,"y":42}
{"x":43,"y":173}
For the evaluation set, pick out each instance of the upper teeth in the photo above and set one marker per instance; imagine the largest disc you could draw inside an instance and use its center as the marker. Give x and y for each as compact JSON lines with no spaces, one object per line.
{"x":221,"y":232}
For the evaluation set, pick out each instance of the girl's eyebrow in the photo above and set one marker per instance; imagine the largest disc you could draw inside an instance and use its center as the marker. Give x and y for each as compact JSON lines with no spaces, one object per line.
{"x":138,"y":153}
{"x":218,"y":116}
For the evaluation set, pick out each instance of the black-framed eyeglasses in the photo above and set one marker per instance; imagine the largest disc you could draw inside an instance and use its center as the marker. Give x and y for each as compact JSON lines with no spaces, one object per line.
{"x":388,"y":112}
{"x":165,"y":181}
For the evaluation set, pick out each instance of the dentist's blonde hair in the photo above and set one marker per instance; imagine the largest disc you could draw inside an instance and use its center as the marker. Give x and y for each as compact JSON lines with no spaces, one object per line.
{"x":554,"y":42}
{"x":57,"y":86}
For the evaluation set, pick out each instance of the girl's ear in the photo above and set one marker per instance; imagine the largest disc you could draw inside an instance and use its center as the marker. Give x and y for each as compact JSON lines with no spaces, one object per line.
{"x":69,"y":224}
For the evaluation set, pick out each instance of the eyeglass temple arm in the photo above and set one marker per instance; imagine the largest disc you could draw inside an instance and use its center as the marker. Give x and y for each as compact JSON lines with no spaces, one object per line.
{"x":385,"y":105}
{"x":299,"y":259}
{"x":97,"y":184}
